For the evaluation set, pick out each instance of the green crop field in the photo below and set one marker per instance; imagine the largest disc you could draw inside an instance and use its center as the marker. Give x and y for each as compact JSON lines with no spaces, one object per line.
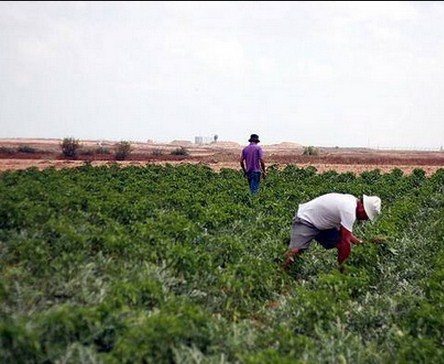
{"x":163,"y":264}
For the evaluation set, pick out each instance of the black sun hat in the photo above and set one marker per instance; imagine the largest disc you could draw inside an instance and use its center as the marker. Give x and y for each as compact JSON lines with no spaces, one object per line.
{"x":254,"y":138}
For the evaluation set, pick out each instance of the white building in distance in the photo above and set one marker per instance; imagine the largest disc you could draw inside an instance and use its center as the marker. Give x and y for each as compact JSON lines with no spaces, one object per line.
{"x":203,"y":140}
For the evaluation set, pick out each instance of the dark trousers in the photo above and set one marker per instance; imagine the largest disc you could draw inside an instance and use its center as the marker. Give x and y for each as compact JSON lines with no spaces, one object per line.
{"x":254,"y":179}
{"x":328,"y":238}
{"x":303,"y":233}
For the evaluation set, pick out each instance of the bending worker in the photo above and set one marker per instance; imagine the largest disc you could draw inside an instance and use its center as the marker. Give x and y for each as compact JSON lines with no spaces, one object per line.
{"x":329,"y":220}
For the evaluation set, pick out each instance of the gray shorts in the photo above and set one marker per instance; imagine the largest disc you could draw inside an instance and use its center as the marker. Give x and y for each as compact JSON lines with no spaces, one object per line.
{"x":303,"y":233}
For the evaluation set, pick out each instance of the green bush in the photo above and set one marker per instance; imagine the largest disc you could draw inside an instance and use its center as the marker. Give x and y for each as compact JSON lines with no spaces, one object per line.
{"x":122,"y":150}
{"x":70,"y":147}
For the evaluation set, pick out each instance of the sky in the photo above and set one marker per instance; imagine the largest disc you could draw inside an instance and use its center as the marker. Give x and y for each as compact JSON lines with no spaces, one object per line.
{"x":342,"y":74}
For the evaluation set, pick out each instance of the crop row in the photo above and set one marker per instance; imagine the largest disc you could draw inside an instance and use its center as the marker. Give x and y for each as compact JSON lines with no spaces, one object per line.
{"x":164,"y":264}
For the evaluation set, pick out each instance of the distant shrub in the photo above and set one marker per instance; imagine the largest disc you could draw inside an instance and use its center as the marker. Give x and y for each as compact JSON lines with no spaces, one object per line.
{"x":157,"y":151}
{"x":122,"y":150}
{"x":102,"y":150}
{"x":87,"y":151}
{"x":7,"y":150}
{"x":95,"y":151}
{"x":70,"y":147}
{"x":311,"y":150}
{"x":180,"y":151}
{"x":26,"y":149}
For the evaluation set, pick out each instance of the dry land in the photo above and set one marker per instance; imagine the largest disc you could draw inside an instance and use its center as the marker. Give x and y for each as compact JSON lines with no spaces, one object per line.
{"x":43,"y":153}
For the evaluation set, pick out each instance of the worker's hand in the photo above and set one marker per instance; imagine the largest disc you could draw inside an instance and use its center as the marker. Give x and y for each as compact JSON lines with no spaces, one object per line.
{"x":288,"y":262}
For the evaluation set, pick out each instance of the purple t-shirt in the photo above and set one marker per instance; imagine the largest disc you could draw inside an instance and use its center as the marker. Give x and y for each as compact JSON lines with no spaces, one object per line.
{"x":252,"y":154}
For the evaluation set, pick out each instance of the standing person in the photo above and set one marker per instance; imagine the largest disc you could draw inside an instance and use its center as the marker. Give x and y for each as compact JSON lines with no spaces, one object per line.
{"x":329,"y":220}
{"x":252,"y":163}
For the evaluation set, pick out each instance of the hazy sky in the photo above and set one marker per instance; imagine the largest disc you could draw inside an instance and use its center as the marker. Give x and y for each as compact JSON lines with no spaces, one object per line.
{"x":316,"y":73}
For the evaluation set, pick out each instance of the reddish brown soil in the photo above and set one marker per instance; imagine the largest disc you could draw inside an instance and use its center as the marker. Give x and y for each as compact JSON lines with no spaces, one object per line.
{"x":47,"y":153}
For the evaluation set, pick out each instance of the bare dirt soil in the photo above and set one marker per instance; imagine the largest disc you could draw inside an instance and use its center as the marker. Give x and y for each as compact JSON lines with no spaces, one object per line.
{"x":43,"y":153}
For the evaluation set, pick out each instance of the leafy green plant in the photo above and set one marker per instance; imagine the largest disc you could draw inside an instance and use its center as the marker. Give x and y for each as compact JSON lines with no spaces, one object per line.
{"x":178,"y":263}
